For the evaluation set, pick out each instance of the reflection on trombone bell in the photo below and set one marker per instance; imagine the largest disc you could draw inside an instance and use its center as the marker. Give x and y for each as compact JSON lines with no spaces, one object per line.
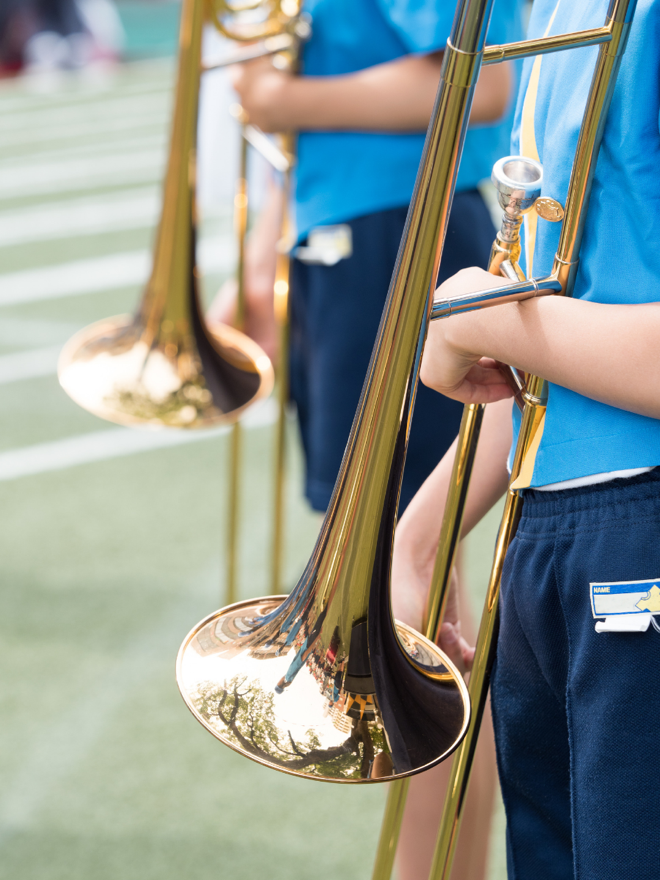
{"x":314,"y":707}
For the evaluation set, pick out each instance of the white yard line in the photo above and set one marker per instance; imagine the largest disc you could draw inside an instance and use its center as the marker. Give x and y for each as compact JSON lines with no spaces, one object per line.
{"x":126,"y":209}
{"x":30,"y":332}
{"x":113,"y":272}
{"x":15,"y":94}
{"x":114,"y":443}
{"x":31,"y":364}
{"x":106,"y":169}
{"x":83,"y":128}
{"x":68,"y":152}
{"x":42,"y":119}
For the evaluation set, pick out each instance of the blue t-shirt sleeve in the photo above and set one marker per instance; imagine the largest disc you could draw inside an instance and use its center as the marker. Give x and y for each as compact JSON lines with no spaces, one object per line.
{"x":425,"y":25}
{"x":422,"y":25}
{"x":506,"y":22}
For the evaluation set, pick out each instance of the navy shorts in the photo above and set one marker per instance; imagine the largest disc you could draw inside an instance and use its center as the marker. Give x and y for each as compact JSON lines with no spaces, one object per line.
{"x":576,"y":712}
{"x":335,"y":312}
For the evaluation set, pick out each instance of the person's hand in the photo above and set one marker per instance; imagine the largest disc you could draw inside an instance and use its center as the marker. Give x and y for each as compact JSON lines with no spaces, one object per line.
{"x":451,"y":640}
{"x":262,"y":90}
{"x":451,"y":365}
{"x":411,"y":579}
{"x":259,"y":324}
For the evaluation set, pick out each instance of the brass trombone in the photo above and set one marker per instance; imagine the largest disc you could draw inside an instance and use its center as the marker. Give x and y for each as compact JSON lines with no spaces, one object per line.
{"x":281,"y":33}
{"x":276,"y":680}
{"x":164,"y":366}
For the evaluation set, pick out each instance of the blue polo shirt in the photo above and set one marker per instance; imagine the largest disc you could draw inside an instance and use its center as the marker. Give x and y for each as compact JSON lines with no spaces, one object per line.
{"x":342,"y":175}
{"x":620,"y":254}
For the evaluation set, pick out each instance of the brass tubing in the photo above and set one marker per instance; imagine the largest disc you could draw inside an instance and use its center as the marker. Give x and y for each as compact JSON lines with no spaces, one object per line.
{"x":233,"y":530}
{"x":452,"y":520}
{"x":171,"y":265}
{"x":390,"y":829}
{"x":236,"y":439}
{"x":546,"y":45}
{"x":485,"y":651}
{"x":343,"y":596}
{"x":240,"y":222}
{"x":495,"y":296}
{"x":591,"y":131}
{"x":281,"y":306}
{"x":478,"y":689}
{"x":269,"y":46}
{"x":503,"y":260}
{"x":435,"y":609}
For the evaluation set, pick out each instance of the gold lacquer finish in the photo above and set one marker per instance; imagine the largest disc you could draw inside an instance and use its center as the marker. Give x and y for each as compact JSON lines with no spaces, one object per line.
{"x":324,"y":683}
{"x":280,"y":27}
{"x":346,"y":584}
{"x":518,"y":184}
{"x":164,"y":367}
{"x":293,"y":688}
{"x":549,"y":209}
{"x":530,"y":391}
{"x":534,"y":396}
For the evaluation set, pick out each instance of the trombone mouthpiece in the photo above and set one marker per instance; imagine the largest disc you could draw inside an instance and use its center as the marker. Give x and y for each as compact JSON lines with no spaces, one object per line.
{"x":517,"y":180}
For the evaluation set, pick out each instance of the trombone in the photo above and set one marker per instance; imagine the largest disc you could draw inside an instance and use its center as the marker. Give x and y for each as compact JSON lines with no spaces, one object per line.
{"x":164,"y":366}
{"x":279,"y":681}
{"x":281,"y":35}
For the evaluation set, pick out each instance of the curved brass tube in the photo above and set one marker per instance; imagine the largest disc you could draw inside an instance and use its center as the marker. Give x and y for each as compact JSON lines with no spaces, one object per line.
{"x":165,"y":367}
{"x":323,"y":683}
{"x":397,"y":683}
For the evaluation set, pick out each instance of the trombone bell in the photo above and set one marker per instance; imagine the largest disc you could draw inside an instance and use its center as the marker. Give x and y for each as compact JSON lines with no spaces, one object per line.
{"x":294,"y":687}
{"x":165,"y":367}
{"x":187,"y":380}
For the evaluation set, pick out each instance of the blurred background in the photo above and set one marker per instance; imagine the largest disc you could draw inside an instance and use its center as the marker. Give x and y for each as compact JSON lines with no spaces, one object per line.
{"x":112,"y":538}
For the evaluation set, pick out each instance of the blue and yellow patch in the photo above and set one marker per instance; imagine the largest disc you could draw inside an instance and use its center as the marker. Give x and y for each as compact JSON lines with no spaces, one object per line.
{"x":627,"y":606}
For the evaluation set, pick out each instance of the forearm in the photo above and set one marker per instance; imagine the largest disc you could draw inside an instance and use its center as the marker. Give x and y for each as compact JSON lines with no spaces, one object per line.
{"x":260,"y":252}
{"x":609,"y":353}
{"x":397,"y":96}
{"x":418,"y":531}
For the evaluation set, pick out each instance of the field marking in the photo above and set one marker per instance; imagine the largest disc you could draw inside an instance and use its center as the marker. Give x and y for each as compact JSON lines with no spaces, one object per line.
{"x":64,"y":88}
{"x":124,"y":144}
{"x":92,"y":215}
{"x":30,"y":332}
{"x":97,"y":446}
{"x":31,"y":364}
{"x":96,"y":129}
{"x":98,"y":274}
{"x":30,"y":179}
{"x":37,"y":101}
{"x":119,"y":106}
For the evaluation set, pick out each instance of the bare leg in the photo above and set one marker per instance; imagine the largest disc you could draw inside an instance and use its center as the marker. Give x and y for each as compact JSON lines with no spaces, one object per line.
{"x":426,"y":798}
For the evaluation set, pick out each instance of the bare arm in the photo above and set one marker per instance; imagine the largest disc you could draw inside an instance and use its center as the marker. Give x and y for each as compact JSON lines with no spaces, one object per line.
{"x":418,"y":531}
{"x":396,"y":97}
{"x":609,"y":353}
{"x":259,"y":279}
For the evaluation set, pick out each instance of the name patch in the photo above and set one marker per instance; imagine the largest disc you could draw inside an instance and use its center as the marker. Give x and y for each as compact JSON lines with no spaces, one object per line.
{"x":627,"y":606}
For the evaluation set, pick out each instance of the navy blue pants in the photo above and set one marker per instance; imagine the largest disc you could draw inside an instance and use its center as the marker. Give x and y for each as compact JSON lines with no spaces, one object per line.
{"x":335,"y":312}
{"x":576,"y":712}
